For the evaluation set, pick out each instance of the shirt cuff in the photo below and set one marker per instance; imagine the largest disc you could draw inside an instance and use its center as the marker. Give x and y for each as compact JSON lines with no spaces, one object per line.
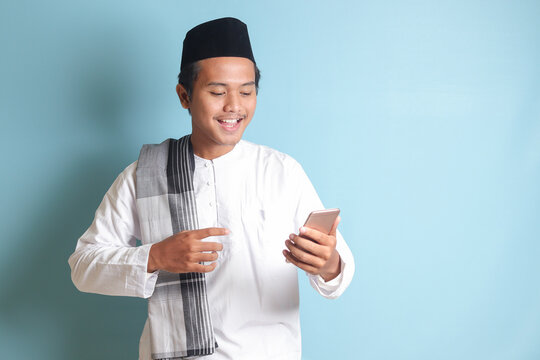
{"x":328,"y":289}
{"x":148,"y":280}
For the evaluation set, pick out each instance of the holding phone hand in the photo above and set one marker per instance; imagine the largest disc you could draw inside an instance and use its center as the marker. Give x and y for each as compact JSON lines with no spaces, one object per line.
{"x":314,"y":251}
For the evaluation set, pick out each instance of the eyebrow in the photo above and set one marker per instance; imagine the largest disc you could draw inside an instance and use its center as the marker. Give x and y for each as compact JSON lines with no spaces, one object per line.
{"x":223,"y":84}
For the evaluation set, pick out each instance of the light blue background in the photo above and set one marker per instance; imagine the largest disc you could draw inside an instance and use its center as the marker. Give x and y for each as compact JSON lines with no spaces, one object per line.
{"x":419,"y":119}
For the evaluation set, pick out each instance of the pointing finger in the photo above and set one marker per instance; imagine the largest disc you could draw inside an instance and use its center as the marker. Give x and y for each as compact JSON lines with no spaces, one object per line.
{"x":213,"y":231}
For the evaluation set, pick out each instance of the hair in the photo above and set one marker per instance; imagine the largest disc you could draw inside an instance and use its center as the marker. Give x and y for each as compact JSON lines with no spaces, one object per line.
{"x":189,"y":74}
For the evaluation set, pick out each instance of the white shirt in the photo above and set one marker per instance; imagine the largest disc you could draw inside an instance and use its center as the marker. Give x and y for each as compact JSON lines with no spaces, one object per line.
{"x":261,"y":196}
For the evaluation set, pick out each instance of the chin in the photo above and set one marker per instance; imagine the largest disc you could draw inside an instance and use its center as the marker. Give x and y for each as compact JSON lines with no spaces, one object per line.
{"x":230,"y":142}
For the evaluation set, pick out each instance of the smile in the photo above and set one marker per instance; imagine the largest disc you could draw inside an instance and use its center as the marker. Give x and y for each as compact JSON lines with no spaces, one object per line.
{"x":230,"y":124}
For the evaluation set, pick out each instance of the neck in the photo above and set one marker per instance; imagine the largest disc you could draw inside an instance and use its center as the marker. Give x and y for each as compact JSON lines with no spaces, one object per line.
{"x":209,"y":151}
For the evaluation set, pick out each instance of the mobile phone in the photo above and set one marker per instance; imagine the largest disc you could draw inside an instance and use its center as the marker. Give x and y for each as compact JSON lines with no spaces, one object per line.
{"x":322,"y":220}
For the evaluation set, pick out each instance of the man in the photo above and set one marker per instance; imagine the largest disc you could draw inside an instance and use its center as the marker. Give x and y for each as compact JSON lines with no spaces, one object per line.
{"x":212,"y":212}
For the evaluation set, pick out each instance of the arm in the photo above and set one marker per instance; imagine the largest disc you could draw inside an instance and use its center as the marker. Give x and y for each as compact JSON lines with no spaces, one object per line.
{"x":331,"y":265}
{"x":106,"y":259}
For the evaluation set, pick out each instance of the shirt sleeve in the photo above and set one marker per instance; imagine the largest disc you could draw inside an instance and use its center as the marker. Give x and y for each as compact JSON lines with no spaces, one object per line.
{"x":308,"y":201}
{"x":106,"y":259}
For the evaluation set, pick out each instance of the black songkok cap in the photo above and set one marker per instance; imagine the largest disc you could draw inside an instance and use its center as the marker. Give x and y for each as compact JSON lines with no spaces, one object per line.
{"x":221,"y":37}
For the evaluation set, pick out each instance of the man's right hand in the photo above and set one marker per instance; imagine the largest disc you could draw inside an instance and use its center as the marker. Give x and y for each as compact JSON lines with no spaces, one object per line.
{"x":184,"y":251}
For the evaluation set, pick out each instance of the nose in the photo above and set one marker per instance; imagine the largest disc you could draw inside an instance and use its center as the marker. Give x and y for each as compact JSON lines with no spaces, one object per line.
{"x":232,"y":103}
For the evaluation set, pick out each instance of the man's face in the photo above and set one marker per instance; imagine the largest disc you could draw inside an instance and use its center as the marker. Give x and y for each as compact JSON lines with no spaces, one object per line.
{"x":222,"y":104}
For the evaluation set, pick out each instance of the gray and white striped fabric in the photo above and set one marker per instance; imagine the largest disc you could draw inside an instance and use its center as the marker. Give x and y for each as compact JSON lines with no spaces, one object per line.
{"x":178,"y":313}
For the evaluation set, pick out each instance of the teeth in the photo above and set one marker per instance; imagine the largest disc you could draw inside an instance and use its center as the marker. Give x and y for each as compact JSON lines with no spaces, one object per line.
{"x":232,"y":121}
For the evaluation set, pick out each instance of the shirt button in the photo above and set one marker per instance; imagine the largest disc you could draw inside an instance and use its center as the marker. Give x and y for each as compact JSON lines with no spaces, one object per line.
{"x":205,"y":164}
{"x":208,"y":183}
{"x":210,"y":203}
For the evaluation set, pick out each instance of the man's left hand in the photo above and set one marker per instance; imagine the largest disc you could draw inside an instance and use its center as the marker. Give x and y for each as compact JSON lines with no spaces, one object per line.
{"x":315,"y":252}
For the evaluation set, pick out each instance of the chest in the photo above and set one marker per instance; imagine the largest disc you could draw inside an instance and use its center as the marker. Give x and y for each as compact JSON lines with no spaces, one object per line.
{"x":254,"y":204}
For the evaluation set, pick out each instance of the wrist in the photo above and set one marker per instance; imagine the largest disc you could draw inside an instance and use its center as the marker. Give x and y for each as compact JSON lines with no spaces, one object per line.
{"x":152,"y":265}
{"x":334,"y":267}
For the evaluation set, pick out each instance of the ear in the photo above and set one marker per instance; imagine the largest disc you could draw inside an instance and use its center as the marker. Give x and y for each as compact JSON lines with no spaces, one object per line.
{"x":183,"y":96}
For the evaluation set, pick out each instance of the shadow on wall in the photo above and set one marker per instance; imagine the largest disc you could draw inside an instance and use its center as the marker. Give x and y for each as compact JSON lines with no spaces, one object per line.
{"x":45,"y":315}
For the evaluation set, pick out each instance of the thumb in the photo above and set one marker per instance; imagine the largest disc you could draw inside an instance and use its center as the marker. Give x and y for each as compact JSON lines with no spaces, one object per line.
{"x":334,"y":227}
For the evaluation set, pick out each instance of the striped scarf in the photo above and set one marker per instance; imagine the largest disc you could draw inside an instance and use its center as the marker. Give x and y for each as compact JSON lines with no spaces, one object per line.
{"x":178,"y":313}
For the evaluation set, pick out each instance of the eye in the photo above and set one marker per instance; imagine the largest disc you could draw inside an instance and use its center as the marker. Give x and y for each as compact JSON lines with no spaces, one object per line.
{"x":246,"y":93}
{"x":216,"y":93}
